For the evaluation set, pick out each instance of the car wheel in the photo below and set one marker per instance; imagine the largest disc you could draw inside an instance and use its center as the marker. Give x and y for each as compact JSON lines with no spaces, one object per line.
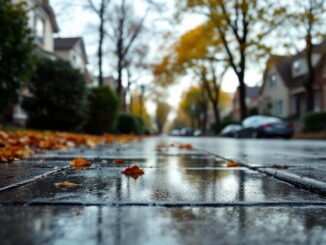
{"x":254,"y":135}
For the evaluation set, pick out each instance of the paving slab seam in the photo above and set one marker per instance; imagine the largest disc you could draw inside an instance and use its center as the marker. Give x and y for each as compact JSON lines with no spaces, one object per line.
{"x":36,"y":178}
{"x":168,"y":204}
{"x":305,"y":183}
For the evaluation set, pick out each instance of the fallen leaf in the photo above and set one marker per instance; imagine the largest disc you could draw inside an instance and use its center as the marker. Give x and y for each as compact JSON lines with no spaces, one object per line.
{"x":80,"y":162}
{"x":232,"y":164}
{"x":119,"y":161}
{"x":133,"y":172}
{"x":186,"y":146}
{"x":66,"y":184}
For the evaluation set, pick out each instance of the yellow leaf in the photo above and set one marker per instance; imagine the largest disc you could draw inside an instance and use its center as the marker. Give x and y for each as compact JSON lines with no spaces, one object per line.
{"x":66,"y":184}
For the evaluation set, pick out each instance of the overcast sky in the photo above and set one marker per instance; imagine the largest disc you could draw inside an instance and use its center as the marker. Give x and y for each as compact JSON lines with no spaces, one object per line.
{"x":75,"y":20}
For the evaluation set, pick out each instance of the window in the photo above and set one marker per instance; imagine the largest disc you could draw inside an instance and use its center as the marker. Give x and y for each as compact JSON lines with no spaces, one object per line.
{"x":272,"y":80}
{"x":278,"y":108}
{"x":298,"y":68}
{"x":39,"y":29}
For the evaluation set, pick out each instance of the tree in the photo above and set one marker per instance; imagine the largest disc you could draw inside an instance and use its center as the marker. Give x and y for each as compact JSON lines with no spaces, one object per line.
{"x":16,"y":47}
{"x":161,"y":114}
{"x":197,"y":55}
{"x":309,"y":18}
{"x":194,"y":104}
{"x":102,"y":110}
{"x":139,"y":109}
{"x":57,"y":96}
{"x":241,"y":25}
{"x":100,"y":12}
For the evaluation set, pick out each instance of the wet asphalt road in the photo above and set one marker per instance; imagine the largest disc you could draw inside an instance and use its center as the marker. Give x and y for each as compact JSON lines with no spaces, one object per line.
{"x":185,"y":196}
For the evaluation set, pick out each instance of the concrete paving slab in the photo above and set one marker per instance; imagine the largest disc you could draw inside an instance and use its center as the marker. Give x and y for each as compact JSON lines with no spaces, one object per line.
{"x":152,"y":225}
{"x":105,"y":185}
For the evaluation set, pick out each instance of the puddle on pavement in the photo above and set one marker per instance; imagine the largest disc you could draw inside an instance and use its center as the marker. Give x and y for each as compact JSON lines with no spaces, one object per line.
{"x":160,"y":184}
{"x":137,"y":225}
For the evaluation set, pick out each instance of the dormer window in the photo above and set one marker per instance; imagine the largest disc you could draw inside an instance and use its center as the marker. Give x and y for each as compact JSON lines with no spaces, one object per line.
{"x":298,"y":67}
{"x":272,"y":80}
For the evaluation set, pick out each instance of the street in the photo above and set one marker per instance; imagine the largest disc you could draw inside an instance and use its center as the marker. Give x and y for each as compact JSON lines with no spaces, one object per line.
{"x":186,"y":196}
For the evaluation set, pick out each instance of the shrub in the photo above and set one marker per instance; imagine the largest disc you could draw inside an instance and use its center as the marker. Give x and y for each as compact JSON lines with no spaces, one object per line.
{"x":58,"y":96}
{"x":102,"y":110}
{"x":128,"y":124}
{"x":315,"y":121}
{"x":140,"y":125}
{"x":16,"y":47}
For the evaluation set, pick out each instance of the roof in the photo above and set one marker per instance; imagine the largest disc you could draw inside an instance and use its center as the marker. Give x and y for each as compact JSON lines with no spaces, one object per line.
{"x":69,"y":43}
{"x":283,"y":64}
{"x":65,"y":43}
{"x":49,"y":10}
{"x":252,"y":91}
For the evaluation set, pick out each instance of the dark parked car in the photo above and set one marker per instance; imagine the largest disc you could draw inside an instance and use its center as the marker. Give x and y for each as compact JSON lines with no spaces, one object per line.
{"x":186,"y":132}
{"x":265,"y":127}
{"x":231,"y":130}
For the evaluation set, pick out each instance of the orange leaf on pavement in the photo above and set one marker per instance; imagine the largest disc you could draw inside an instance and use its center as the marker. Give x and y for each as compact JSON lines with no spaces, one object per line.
{"x":185,"y":146}
{"x":232,"y":164}
{"x":133,"y":171}
{"x":66,"y":184}
{"x":80,"y":162}
{"x":119,"y":161}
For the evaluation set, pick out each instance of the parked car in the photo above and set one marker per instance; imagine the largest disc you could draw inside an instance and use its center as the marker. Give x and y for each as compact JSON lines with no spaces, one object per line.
{"x":186,"y":132}
{"x":198,"y":133}
{"x":175,"y":132}
{"x":265,"y":127}
{"x":231,"y":130}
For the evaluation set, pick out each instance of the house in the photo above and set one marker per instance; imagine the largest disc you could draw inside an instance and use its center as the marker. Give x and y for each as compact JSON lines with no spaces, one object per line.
{"x":111,"y":82}
{"x":43,"y":24}
{"x":283,"y":91}
{"x":72,"y":49}
{"x":252,"y":101}
{"x":42,"y":21}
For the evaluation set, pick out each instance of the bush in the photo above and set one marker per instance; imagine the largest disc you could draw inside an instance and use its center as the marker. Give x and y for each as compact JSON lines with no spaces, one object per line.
{"x":315,"y":121}
{"x":58,"y":96}
{"x":128,"y":124}
{"x":140,"y":125}
{"x":102,"y":110}
{"x":16,"y":47}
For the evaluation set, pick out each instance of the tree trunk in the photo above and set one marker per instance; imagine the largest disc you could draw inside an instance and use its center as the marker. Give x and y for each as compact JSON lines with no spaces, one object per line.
{"x":204,"y":119}
{"x":309,"y":85}
{"x":216,"y":116}
{"x":100,"y":46}
{"x":242,"y":91}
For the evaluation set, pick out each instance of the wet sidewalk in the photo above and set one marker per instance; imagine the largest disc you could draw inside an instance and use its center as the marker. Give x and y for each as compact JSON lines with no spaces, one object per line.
{"x":184,"y":197}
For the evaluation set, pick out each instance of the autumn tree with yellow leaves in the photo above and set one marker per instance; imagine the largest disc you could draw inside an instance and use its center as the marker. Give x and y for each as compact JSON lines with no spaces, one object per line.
{"x":195,"y":105}
{"x":242,"y":26}
{"x":198,"y":56}
{"x":161,"y":114}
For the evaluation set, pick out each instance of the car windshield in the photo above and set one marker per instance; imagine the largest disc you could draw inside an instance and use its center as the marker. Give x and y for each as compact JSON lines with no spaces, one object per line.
{"x":231,"y":127}
{"x":257,"y":121}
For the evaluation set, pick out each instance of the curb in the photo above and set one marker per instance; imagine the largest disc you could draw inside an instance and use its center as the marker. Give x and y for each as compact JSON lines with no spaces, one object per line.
{"x":302,"y":182}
